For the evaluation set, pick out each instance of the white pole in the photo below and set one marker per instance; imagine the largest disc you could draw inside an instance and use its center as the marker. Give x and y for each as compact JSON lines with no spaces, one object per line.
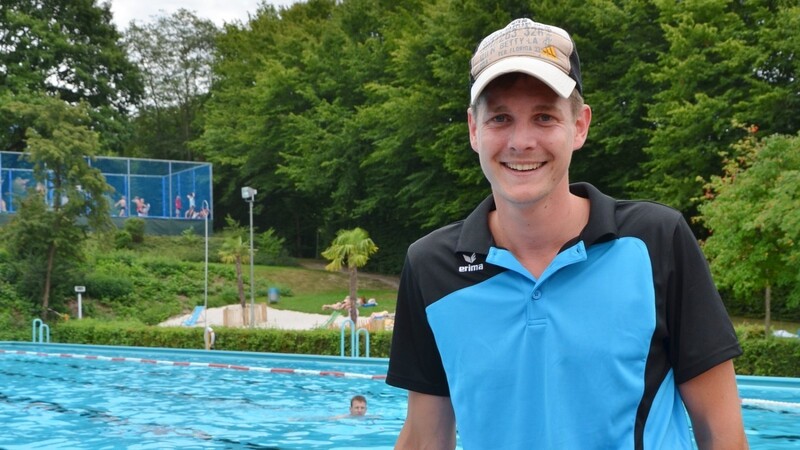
{"x":80,"y":307}
{"x":205,"y":292}
{"x":252,"y":285}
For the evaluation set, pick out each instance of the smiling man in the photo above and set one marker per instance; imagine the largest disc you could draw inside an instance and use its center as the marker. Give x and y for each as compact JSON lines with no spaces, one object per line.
{"x":554,"y":316}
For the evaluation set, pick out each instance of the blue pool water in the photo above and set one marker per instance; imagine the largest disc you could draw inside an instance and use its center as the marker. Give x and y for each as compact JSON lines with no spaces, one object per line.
{"x":771,"y":411}
{"x":95,"y":397}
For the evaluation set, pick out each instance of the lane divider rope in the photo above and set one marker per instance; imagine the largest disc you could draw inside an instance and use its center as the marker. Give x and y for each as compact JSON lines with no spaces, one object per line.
{"x":770,"y":404}
{"x":326,"y":373}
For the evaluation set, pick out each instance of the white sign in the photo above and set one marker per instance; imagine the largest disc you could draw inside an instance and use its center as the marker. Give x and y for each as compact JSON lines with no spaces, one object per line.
{"x":80,"y":288}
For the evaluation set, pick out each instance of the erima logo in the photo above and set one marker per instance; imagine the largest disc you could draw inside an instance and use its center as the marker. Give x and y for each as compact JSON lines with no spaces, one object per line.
{"x":470,"y":267}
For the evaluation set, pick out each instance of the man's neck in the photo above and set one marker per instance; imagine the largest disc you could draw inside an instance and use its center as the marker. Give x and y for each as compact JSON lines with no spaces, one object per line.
{"x":535,"y":233}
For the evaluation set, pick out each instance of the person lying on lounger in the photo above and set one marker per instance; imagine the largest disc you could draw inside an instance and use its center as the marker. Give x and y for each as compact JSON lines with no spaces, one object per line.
{"x":338,"y":306}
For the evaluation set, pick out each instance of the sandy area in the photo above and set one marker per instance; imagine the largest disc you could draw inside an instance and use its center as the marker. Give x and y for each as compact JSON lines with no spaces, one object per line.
{"x":276,"y":318}
{"x":280,"y":319}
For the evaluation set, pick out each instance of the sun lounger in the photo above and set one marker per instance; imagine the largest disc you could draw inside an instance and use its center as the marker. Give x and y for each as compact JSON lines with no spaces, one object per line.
{"x":193,"y":318}
{"x":331,"y":320}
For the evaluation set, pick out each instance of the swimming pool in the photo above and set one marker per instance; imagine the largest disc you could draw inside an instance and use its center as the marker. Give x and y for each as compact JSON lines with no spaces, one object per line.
{"x":92,"y":397}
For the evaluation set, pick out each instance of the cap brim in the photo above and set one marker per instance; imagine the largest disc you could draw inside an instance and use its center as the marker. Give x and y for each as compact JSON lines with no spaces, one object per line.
{"x":551,"y":75}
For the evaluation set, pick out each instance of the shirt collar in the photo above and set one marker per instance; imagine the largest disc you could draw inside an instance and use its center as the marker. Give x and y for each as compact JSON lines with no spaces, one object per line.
{"x":476,"y":238}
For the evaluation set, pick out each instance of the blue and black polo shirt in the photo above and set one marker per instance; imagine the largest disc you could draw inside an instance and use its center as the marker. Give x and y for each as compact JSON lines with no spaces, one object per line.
{"x":586,"y":356}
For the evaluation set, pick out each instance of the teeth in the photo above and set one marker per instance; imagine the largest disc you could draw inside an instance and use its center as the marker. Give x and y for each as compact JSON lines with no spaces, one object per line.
{"x":523,"y":167}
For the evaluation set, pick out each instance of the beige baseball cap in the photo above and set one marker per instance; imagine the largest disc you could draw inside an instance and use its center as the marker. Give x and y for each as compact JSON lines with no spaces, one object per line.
{"x":542,"y":51}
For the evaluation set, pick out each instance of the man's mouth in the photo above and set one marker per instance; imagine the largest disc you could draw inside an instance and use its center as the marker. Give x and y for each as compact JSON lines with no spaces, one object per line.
{"x":524,"y":167}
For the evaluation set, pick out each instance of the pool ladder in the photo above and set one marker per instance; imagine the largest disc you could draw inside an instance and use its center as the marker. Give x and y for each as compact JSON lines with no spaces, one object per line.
{"x":354,"y":344}
{"x":43,"y":328}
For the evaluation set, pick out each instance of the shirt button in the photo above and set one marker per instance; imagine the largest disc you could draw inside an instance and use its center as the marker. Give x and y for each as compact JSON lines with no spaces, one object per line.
{"x":537,"y":294}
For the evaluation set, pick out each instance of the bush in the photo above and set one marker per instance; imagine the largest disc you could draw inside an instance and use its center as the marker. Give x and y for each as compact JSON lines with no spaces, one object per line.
{"x":189,"y":238}
{"x":229,"y":294}
{"x":123,"y":239}
{"x":108,"y":287}
{"x":15,"y":315}
{"x":135,"y":227}
{"x":309,"y":342}
{"x":779,"y":357}
{"x":271,"y":249}
{"x":767,"y":355}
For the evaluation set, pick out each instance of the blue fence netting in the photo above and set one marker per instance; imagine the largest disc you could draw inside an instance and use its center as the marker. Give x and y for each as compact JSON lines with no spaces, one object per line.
{"x":159,"y":189}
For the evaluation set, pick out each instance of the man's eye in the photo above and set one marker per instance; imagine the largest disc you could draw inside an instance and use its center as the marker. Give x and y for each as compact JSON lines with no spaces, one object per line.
{"x":500,"y":118}
{"x":545,"y":118}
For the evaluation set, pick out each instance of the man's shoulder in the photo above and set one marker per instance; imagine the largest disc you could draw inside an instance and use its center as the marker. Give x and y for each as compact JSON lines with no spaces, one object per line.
{"x":646,"y":211}
{"x":441,"y":239}
{"x":624,"y":207}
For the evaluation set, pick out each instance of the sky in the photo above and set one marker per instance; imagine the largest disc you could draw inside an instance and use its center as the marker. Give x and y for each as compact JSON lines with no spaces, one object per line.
{"x":218,"y":11}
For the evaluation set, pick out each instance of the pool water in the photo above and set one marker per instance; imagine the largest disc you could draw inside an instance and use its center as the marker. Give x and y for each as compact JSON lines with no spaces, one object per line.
{"x":771,"y":411}
{"x":59,"y":402}
{"x":96,"y":397}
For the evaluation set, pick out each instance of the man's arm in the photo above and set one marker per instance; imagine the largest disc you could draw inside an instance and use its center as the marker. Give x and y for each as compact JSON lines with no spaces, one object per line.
{"x":430,"y":424}
{"x":713,"y":403}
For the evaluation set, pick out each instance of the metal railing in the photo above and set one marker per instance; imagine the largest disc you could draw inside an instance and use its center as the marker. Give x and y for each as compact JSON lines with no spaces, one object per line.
{"x":354,"y":338}
{"x":44,"y":331}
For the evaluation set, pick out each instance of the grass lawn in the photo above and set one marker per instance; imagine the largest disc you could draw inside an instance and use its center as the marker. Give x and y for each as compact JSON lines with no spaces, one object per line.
{"x":311,"y":288}
{"x":791,"y":327}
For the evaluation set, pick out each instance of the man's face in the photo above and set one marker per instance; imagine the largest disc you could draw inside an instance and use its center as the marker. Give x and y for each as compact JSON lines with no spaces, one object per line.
{"x":524,"y":134}
{"x":358,"y":408}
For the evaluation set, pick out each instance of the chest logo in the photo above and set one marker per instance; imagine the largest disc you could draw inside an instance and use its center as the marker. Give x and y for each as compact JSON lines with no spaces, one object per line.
{"x":471,"y":266}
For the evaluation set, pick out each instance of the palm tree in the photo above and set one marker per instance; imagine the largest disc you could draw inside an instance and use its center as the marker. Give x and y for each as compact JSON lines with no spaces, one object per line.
{"x":234,"y":250}
{"x":350,"y":248}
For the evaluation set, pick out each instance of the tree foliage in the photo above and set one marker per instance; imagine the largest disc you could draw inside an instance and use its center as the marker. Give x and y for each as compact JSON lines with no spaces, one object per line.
{"x":353,"y":113}
{"x":356,"y":109}
{"x":45,"y":238}
{"x":714,"y":66}
{"x":68,"y":49}
{"x":350,"y":249}
{"x":753,"y":214}
{"x":175,"y":55}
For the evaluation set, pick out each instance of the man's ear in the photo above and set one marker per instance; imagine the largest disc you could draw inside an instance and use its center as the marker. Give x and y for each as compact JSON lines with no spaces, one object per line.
{"x":473,"y":127}
{"x":582,"y":122}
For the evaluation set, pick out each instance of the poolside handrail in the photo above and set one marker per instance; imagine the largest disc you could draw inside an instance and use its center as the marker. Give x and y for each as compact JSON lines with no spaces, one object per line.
{"x":37,"y":323}
{"x":344,"y":323}
{"x":366,"y":342}
{"x":354,"y":333}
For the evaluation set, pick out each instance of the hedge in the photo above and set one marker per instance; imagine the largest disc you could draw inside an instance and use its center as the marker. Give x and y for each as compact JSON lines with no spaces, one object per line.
{"x":308,"y":342}
{"x":767,"y":356}
{"x":762,"y":356}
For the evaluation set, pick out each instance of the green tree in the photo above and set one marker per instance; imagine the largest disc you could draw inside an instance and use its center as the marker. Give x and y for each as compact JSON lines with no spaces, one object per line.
{"x":753,"y":214}
{"x":175,"y":55}
{"x":356,"y":109}
{"x":271,"y":247}
{"x":69,"y":49}
{"x":619,"y":43}
{"x":244,"y":122}
{"x":715,"y":73}
{"x":351,"y":249}
{"x":46,"y":236}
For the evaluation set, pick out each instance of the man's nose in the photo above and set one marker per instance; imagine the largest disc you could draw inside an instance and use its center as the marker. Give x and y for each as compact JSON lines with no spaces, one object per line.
{"x":523,"y":136}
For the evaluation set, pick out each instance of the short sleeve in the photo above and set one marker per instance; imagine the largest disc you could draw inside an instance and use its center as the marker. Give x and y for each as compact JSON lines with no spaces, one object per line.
{"x":700,"y":330}
{"x":414,"y":362}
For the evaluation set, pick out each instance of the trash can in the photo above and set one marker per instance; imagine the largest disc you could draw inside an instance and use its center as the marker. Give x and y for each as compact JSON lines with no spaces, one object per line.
{"x":273,"y":295}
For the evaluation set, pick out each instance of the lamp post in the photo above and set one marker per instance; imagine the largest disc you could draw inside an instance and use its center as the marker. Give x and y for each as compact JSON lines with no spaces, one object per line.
{"x":249,"y":195}
{"x":80,"y":290}
{"x":205,"y":291}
